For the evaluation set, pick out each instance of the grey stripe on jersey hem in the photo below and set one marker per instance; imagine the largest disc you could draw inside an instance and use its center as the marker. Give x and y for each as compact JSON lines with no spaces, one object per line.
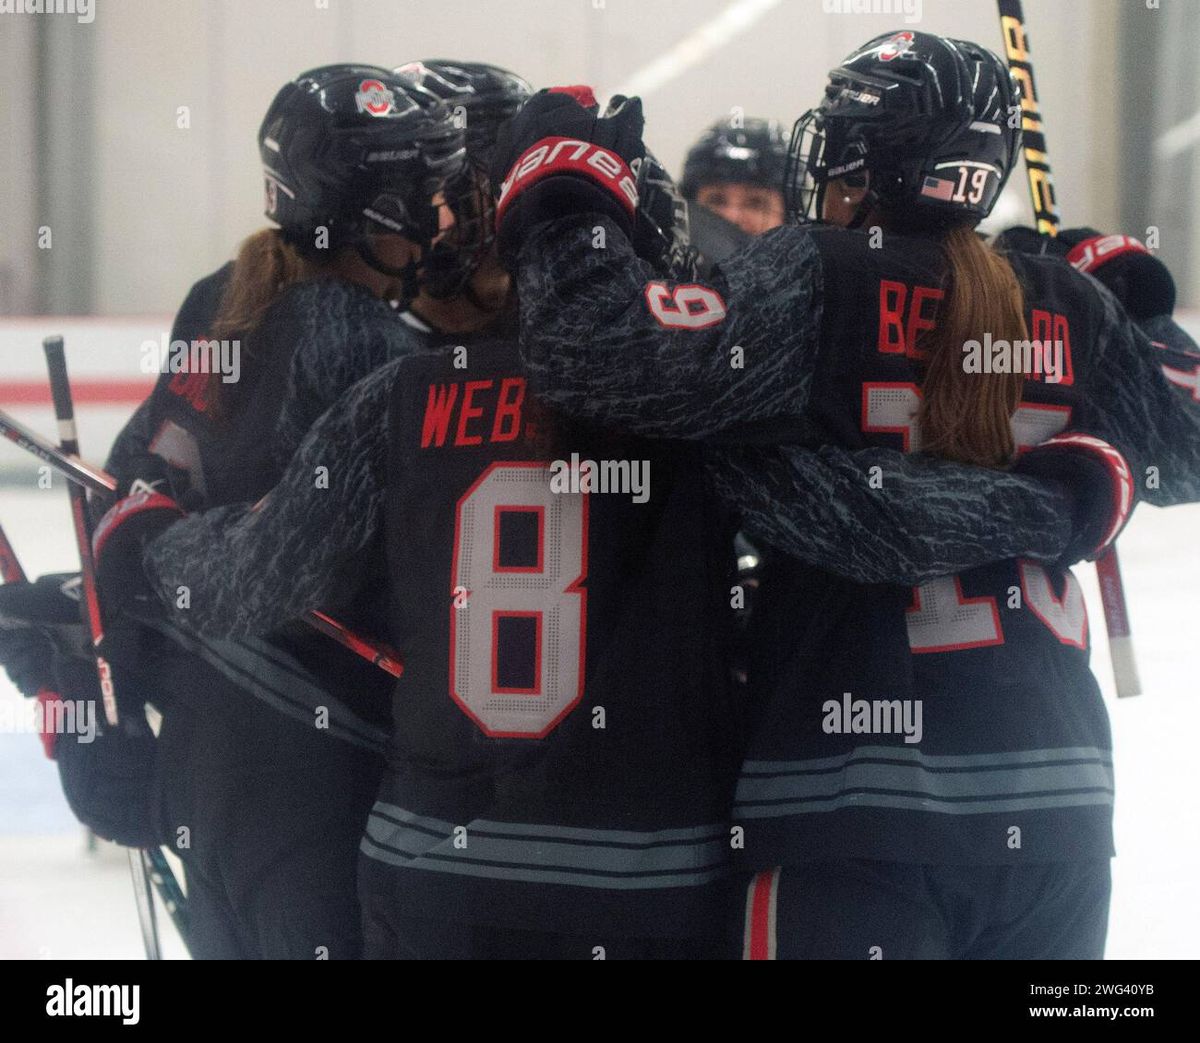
{"x":934,"y":762}
{"x":612,"y":837}
{"x":525,"y":874}
{"x":982,"y":784}
{"x":876,"y":776}
{"x":253,"y":673}
{"x":918,"y":803}
{"x":610,"y":859}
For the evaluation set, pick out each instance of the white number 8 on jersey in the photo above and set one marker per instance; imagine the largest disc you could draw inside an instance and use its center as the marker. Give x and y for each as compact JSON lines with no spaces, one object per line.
{"x":517,"y":639}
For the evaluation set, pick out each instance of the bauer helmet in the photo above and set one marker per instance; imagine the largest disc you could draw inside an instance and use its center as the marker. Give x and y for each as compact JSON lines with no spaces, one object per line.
{"x":662,"y":225}
{"x":357,"y":151}
{"x":930,"y":125}
{"x":481,"y":98}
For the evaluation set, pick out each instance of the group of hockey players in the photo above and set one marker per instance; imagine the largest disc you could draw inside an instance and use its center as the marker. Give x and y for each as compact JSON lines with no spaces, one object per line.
{"x":879,"y":738}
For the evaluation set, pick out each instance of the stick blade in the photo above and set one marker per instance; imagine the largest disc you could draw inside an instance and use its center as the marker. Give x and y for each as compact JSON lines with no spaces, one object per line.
{"x":1124,"y":663}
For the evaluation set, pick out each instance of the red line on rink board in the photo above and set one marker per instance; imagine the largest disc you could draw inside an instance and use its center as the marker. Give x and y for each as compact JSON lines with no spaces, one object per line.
{"x":92,"y":392}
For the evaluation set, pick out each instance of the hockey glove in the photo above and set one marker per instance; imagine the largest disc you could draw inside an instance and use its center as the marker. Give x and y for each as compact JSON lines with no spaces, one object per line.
{"x":1102,"y":484}
{"x":108,"y":780}
{"x":1138,"y":279}
{"x":559,"y":157}
{"x":149,"y":471}
{"x":26,"y":654}
{"x":118,"y":543}
{"x":38,"y":622}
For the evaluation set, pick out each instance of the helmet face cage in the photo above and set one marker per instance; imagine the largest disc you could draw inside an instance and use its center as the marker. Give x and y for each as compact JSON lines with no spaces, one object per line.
{"x":410,"y":215}
{"x":481,"y":97}
{"x":458,"y":254}
{"x":662,"y":220}
{"x":804,"y":175}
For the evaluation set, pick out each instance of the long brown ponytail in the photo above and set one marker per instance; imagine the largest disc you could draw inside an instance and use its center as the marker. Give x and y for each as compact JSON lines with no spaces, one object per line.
{"x":967,"y":416}
{"x":266,"y":265}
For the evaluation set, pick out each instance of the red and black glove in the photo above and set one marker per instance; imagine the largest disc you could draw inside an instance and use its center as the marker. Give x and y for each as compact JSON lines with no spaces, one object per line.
{"x":41,"y":630}
{"x":1101,"y":481}
{"x":118,"y":543}
{"x":1135,"y":276}
{"x":559,"y":157}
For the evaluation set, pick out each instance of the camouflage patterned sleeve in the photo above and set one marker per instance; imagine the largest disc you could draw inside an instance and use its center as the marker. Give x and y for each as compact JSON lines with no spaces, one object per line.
{"x":1179,"y":356}
{"x":1133,"y":403}
{"x":343,"y":334}
{"x":309,"y":543}
{"x":913,"y":519}
{"x":603,"y":339}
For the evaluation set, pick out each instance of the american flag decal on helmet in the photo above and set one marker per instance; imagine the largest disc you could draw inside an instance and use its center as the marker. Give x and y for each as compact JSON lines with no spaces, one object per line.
{"x":938,"y":188}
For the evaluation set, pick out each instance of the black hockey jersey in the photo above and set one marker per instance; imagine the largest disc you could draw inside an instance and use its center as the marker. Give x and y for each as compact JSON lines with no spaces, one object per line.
{"x":565,"y":735}
{"x":958,"y":722}
{"x":231,"y":454}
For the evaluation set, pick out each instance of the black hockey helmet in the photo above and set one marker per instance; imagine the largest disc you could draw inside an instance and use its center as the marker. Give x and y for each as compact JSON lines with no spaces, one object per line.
{"x":748,"y":152}
{"x":358,"y":151}
{"x":482,"y":98}
{"x":662,"y":225}
{"x":934,"y":122}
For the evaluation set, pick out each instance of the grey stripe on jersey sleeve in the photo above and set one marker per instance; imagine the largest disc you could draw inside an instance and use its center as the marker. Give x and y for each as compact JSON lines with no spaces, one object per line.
{"x":272,"y":676}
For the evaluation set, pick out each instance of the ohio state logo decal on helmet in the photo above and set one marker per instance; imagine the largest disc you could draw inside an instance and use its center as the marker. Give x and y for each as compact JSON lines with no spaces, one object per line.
{"x":894,"y":46}
{"x":374,"y":97}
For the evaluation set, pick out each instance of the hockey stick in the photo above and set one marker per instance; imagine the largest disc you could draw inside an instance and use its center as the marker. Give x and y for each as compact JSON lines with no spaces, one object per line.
{"x":169,"y":891}
{"x":64,"y":411}
{"x":10,"y":567}
{"x":97,"y":480}
{"x":1045,"y":211}
{"x":168,"y":887}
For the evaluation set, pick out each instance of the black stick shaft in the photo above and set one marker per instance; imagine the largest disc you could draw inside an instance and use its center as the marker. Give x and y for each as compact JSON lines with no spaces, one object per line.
{"x":97,"y":480}
{"x":64,"y":411}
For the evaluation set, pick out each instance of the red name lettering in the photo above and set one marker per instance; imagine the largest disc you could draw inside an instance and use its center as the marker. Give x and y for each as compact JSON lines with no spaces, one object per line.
{"x":192,"y":388}
{"x":497,"y":403}
{"x":1052,"y":328}
{"x":904,"y":316}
